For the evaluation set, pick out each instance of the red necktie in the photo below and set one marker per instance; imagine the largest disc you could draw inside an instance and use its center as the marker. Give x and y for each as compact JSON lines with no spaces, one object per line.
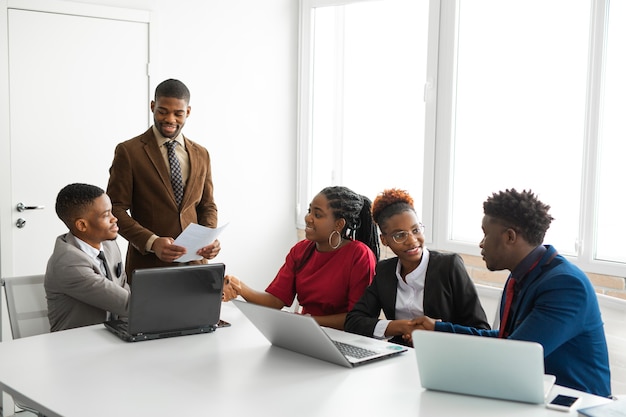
{"x":508,"y":293}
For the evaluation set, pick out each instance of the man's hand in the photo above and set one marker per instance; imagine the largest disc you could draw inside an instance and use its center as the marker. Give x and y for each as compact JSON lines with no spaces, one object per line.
{"x":166,"y":250}
{"x":423,"y":323}
{"x":400,"y":328}
{"x":419,"y":323}
{"x":210,"y":251}
{"x":232,"y":288}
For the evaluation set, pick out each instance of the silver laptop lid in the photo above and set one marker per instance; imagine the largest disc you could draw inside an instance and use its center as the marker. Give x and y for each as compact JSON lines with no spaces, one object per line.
{"x":480,"y":366}
{"x":304,"y":335}
{"x":175,"y":298}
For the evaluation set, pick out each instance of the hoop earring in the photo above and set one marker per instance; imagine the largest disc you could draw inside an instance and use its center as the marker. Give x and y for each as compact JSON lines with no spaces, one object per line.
{"x":330,"y":240}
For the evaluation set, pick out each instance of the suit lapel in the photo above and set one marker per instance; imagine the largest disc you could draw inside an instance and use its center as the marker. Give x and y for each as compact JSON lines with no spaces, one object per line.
{"x":153,"y":153}
{"x":115,"y":263}
{"x":70,"y":239}
{"x":390,"y":284}
{"x":194,"y":162}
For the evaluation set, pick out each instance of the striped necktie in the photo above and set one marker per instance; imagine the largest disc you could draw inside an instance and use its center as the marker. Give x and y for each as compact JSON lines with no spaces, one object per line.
{"x":175,"y":173}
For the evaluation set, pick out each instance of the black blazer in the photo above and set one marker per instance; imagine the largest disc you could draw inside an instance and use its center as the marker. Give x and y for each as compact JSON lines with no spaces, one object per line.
{"x":449,"y":295}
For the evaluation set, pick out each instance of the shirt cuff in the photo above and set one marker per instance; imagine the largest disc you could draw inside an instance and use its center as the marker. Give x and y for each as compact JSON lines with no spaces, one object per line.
{"x":150,"y":242}
{"x":381,"y":327}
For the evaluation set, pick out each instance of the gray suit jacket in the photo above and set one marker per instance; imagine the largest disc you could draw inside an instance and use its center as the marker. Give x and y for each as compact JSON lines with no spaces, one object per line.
{"x":78,"y":293}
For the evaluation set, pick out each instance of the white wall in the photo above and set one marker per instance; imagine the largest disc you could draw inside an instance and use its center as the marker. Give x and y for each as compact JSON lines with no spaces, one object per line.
{"x":239,"y":59}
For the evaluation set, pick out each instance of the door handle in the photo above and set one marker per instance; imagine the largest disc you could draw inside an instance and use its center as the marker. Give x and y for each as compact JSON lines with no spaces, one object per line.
{"x":21,"y":207}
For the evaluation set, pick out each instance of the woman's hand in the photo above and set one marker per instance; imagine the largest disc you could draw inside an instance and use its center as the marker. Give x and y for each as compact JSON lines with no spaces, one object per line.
{"x":232,"y":288}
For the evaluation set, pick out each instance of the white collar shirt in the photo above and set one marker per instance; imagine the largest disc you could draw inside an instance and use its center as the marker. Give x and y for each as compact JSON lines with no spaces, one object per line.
{"x":92,"y":252}
{"x":181,"y":152}
{"x":410,"y":295}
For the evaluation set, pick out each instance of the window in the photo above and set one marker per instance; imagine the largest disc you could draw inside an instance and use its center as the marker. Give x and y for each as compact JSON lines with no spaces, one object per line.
{"x":520,"y":111}
{"x":515,"y":96}
{"x":610,"y":225}
{"x":363,"y":97}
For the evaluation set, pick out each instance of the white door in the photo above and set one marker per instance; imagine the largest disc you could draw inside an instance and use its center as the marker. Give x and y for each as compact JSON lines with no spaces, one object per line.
{"x":78,"y":85}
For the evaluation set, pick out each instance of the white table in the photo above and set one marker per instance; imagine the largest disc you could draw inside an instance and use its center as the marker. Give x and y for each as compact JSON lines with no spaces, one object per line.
{"x":233,"y":372}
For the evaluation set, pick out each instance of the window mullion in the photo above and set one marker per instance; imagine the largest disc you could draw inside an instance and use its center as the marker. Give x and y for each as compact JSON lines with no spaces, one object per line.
{"x":304,"y":152}
{"x":445,"y":110}
{"x":589,"y":195}
{"x":338,"y":142}
{"x":430,"y":118}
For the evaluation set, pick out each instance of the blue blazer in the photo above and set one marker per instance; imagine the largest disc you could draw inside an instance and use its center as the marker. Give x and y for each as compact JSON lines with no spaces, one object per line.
{"x":556,"y":306}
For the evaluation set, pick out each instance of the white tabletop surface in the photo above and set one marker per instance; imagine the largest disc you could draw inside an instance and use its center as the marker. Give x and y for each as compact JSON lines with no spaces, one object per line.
{"x":231,"y":372}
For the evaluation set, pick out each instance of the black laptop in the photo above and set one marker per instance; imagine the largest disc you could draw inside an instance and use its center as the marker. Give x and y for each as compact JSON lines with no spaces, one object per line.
{"x":172,"y":301}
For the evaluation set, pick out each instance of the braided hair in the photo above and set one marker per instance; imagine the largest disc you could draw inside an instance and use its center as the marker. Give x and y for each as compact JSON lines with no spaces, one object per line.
{"x":356,"y":210}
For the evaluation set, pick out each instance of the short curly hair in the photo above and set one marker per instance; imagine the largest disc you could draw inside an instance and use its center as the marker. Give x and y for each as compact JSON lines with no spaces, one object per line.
{"x":73,"y":201}
{"x":521,"y":211}
{"x":389,"y":203}
{"x":174,"y":89}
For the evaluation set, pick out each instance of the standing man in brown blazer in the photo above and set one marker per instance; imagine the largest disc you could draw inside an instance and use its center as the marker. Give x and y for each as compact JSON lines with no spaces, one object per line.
{"x":142,"y":185}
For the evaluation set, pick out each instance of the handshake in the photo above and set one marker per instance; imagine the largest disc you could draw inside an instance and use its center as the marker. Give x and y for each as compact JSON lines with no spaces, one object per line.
{"x":404,"y":328}
{"x":232,"y":288}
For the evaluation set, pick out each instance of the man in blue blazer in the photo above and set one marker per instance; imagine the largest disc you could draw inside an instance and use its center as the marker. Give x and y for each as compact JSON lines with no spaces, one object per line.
{"x":85,"y":282}
{"x":552,"y":301}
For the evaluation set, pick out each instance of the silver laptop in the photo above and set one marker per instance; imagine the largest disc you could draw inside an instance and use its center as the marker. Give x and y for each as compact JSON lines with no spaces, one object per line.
{"x":172,"y":301}
{"x":302,"y":334}
{"x":482,"y":366}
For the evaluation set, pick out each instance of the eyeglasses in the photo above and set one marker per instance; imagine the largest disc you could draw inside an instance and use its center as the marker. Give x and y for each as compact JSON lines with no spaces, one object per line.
{"x":403,"y":235}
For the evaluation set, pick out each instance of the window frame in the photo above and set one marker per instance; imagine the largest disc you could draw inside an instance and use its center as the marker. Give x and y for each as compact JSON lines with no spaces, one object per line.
{"x":439,"y":97}
{"x":304,"y":146}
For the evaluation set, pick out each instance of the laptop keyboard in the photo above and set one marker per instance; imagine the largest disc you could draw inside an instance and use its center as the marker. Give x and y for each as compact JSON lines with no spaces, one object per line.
{"x":354,"y":351}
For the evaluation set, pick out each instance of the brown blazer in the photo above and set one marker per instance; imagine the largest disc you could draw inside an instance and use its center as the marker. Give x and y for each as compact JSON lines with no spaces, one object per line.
{"x":143,"y":199}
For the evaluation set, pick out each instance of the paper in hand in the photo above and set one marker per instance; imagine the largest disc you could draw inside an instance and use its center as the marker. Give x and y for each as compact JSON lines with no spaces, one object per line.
{"x":195,"y":237}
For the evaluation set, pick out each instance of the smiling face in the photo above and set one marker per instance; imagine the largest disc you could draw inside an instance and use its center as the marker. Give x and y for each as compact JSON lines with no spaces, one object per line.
{"x":411,"y":250}
{"x":320,"y":223}
{"x":170,"y":115}
{"x":97,"y":223}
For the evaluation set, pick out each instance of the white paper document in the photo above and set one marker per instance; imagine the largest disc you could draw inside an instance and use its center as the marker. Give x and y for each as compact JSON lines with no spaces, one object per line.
{"x":195,"y":237}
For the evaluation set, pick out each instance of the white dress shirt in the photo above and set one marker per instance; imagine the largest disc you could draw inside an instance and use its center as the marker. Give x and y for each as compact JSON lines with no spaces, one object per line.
{"x":410,"y":295}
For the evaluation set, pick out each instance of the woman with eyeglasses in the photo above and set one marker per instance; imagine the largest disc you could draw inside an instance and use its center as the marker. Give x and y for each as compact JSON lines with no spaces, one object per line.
{"x":330,"y":269}
{"x":416,"y":282}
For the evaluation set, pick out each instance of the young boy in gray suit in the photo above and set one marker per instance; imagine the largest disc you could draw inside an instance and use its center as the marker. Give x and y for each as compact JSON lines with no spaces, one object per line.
{"x":85,"y":281}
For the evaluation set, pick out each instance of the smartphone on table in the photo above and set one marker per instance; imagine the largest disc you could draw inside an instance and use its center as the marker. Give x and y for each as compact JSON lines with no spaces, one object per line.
{"x":563,"y":402}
